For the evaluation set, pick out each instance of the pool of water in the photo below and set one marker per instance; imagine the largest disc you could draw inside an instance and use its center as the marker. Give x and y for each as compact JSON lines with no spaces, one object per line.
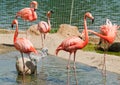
{"x":52,"y":71}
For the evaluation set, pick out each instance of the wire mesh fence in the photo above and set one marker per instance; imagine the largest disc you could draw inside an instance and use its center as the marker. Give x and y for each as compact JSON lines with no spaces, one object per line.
{"x":65,"y":11}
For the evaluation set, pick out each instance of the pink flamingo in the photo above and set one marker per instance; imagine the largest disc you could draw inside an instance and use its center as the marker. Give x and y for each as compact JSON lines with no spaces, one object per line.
{"x":72,"y":44}
{"x":108,"y":33}
{"x":22,"y":44}
{"x":28,"y":14}
{"x":44,"y":27}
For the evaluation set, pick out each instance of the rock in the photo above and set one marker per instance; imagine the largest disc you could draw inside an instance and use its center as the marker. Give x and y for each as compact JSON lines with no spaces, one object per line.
{"x":33,"y":30}
{"x":115,"y":47}
{"x":68,"y":30}
{"x":30,"y":67}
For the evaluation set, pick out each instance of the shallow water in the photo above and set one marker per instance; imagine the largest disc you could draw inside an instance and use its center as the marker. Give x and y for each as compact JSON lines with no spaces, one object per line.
{"x":52,"y":71}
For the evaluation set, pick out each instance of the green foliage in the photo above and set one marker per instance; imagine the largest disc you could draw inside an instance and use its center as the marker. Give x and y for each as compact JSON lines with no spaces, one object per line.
{"x":91,"y":47}
{"x":53,"y":30}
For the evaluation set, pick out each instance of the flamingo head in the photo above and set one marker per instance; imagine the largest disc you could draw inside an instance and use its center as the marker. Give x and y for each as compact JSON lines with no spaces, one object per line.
{"x":49,"y":13}
{"x":14,"y":22}
{"x":34,"y":5}
{"x":89,"y":15}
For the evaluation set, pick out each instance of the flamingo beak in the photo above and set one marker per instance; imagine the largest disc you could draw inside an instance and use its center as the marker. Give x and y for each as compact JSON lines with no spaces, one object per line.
{"x":92,"y":20}
{"x":12,"y":25}
{"x":35,"y":9}
{"x":51,"y":11}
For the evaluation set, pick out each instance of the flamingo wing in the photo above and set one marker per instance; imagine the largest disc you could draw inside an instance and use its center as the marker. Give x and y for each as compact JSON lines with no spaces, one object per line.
{"x":43,"y":27}
{"x":71,"y":44}
{"x":24,"y":45}
{"x":27,"y":14}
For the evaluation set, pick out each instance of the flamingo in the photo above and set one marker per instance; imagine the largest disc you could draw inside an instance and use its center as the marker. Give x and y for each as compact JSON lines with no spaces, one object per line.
{"x":74,"y":43}
{"x":28,"y":14}
{"x":108,"y":34}
{"x":44,"y":27}
{"x":22,"y":44}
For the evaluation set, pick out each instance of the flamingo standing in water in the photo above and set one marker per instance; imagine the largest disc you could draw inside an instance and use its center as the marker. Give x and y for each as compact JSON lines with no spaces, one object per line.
{"x":72,"y":44}
{"x":22,"y":44}
{"x":44,"y":27}
{"x":107,"y":34}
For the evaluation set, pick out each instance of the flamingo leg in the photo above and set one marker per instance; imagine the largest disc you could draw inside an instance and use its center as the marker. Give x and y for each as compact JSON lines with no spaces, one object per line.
{"x":30,"y":57}
{"x":68,"y":77}
{"x":104,"y":61}
{"x":23,"y":64}
{"x":68,"y":65}
{"x":75,"y":75}
{"x":74,"y":66}
{"x":44,"y":36}
{"x":42,"y":40}
{"x":35,"y":64}
{"x":104,"y":65}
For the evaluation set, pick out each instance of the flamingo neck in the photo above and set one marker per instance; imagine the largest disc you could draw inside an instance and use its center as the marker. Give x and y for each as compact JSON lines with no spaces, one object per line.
{"x":108,"y":39}
{"x":49,"y":24}
{"x":16,"y":33}
{"x":85,"y":31}
{"x":34,"y":14}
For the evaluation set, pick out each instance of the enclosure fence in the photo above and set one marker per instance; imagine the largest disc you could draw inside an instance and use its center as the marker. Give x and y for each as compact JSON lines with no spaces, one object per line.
{"x":65,"y":12}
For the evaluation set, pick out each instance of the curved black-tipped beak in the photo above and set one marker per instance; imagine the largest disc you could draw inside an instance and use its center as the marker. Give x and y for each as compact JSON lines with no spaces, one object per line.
{"x":92,"y":21}
{"x":35,"y":9}
{"x":51,"y":11}
{"x":12,"y":25}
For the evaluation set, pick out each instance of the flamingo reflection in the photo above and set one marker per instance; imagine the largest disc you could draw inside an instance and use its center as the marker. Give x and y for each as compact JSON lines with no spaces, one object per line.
{"x":73,"y":73}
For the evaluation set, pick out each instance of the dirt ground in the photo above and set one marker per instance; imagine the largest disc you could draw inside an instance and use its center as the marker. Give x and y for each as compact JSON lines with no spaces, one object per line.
{"x":54,"y":39}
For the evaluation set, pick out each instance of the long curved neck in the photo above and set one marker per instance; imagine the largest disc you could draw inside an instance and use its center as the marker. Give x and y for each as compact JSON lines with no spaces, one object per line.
{"x":108,"y":39}
{"x":34,"y":14}
{"x":85,"y":30}
{"x":16,"y":33}
{"x":49,"y":24}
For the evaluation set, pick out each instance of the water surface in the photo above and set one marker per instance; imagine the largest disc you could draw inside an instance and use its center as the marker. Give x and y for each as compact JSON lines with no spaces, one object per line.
{"x":52,"y":71}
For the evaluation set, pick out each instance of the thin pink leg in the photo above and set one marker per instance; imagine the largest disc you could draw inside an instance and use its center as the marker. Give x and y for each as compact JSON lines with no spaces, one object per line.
{"x":75,"y":75}
{"x":42,"y":40}
{"x":68,"y":65}
{"x":23,"y":65}
{"x":74,"y":66}
{"x":68,"y":77}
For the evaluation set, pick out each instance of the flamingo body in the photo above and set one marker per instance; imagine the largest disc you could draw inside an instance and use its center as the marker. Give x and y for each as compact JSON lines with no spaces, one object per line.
{"x":27,"y":14}
{"x":71,"y":44}
{"x":43,"y":27}
{"x":24,"y":45}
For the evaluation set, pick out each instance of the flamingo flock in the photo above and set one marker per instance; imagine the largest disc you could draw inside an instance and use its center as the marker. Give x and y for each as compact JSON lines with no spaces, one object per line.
{"x":71,"y":44}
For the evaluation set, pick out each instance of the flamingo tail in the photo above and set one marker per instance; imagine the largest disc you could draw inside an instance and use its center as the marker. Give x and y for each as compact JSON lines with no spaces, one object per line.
{"x":34,"y":50}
